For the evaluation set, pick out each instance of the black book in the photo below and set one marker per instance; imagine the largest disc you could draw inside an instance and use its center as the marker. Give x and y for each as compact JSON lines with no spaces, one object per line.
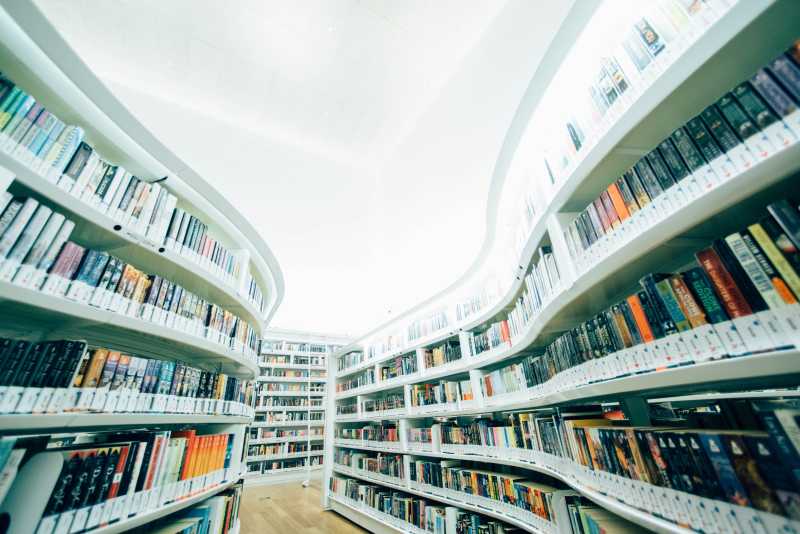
{"x":60,"y":495}
{"x":722,"y":133}
{"x":773,"y":94}
{"x":788,"y":217}
{"x":109,"y":472}
{"x":97,"y":476}
{"x":731,"y":264}
{"x":742,"y":125}
{"x":754,"y":106}
{"x":673,"y":161}
{"x":648,"y":178}
{"x":635,"y":184}
{"x":656,"y":306}
{"x":26,"y":366}
{"x":788,"y":75}
{"x":78,"y":161}
{"x":660,"y":169}
{"x":703,"y":291}
{"x":80,"y":484}
{"x":702,"y":138}
{"x":687,"y":149}
{"x":48,"y":364}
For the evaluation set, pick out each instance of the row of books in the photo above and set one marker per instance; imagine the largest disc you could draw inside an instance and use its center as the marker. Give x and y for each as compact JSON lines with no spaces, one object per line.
{"x":292,"y":373}
{"x":385,"y":431}
{"x":509,"y":488}
{"x":273,"y":359}
{"x":293,"y":447}
{"x":448,"y":351}
{"x":58,"y":153}
{"x":540,"y":285}
{"x":351,"y":359}
{"x":37,"y":254}
{"x":347,"y":408}
{"x":493,"y":336}
{"x":726,"y":138}
{"x":743,"y":455}
{"x":363,"y":378}
{"x":656,"y":39}
{"x":415,"y":511}
{"x":426,"y":326}
{"x":441,"y":392}
{"x":390,"y":401}
{"x":390,"y":465}
{"x":740,"y":298}
{"x":420,"y":435}
{"x":264,"y":388}
{"x":283,"y":417}
{"x":62,"y":375}
{"x":585,"y":517}
{"x":472,"y":304}
{"x":216,"y":515}
{"x":288,"y":402}
{"x":401,"y":365}
{"x":105,"y":478}
{"x":387,"y":344}
{"x":259,"y":433}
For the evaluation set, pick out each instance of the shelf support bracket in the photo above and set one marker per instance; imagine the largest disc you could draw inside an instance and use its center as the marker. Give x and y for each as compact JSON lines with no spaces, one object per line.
{"x":637,"y":410}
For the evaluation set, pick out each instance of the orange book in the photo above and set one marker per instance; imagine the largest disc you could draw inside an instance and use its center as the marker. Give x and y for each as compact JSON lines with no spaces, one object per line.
{"x":202,"y":445}
{"x":640,"y":318}
{"x":188,"y":451}
{"x":618,"y":202}
{"x":505,"y":334}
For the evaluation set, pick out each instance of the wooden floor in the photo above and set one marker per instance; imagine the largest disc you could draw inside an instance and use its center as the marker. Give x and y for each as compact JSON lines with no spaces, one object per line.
{"x":289,"y":509}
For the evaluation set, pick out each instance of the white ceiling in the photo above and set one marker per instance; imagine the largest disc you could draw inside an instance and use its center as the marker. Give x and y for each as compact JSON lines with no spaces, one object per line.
{"x":359,"y":137}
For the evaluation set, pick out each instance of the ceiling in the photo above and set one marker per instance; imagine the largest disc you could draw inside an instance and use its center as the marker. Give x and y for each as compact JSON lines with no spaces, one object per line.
{"x":358,"y":137}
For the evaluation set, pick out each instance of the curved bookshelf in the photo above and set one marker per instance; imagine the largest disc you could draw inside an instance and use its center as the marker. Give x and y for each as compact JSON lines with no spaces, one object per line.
{"x":495,"y":511}
{"x":83,"y":422}
{"x":643,"y":252}
{"x":148,"y":517}
{"x":721,"y":57}
{"x":35,"y":55}
{"x":24,"y":308}
{"x":747,"y":36}
{"x":94,"y":228}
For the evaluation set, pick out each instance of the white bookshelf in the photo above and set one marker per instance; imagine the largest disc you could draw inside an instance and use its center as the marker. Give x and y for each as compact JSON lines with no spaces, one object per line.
{"x":35,"y":57}
{"x":745,"y":38}
{"x":298,"y":354}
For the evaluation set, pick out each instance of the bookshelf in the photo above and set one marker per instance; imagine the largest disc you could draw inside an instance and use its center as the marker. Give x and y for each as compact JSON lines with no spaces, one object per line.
{"x":553,"y":286}
{"x":113,"y":367}
{"x":285,"y":440}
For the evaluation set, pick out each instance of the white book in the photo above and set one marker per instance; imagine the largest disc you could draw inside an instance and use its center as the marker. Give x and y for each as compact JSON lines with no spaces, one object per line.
{"x":86,"y":174}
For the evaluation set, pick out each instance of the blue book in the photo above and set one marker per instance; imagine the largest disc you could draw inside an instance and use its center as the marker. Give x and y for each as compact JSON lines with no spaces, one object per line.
{"x":726,"y":474}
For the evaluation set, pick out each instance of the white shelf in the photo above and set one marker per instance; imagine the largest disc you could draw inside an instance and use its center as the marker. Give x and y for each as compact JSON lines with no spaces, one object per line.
{"x":25,"y":309}
{"x":17,"y":424}
{"x":291,"y":366}
{"x":290,"y":408}
{"x":618,"y":271}
{"x":97,"y":230}
{"x":292,"y":394}
{"x":288,"y":439}
{"x":362,"y":517}
{"x":262,"y":424}
{"x":35,"y":55}
{"x":283,"y":456}
{"x":730,"y":51}
{"x":293,"y":379}
{"x":145,"y":518}
{"x":484,"y":510}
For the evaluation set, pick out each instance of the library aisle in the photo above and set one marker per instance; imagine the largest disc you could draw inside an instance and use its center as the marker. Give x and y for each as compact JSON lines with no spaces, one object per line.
{"x":421,"y":267}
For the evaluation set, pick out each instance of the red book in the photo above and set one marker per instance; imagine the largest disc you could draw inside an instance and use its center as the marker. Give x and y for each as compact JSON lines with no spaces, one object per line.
{"x":123,"y":460}
{"x":732,"y":298}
